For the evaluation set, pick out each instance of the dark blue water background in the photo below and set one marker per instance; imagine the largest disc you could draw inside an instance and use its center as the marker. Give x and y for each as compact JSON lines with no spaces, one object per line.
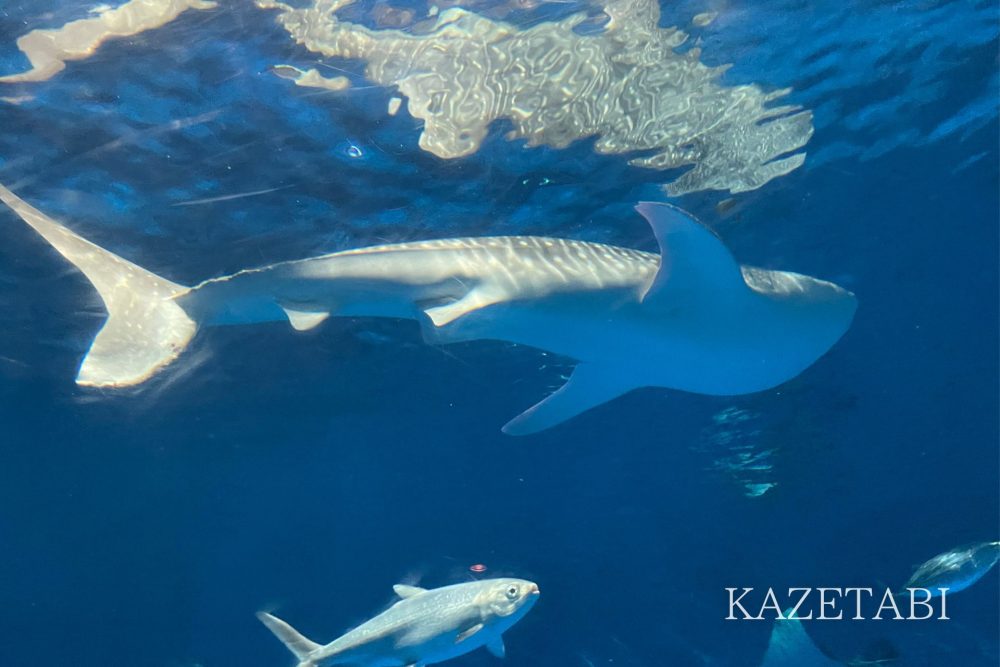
{"x":306,"y":473}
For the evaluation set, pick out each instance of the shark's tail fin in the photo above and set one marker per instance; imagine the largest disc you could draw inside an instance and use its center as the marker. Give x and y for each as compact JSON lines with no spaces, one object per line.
{"x":146,"y":328}
{"x":301,"y":647}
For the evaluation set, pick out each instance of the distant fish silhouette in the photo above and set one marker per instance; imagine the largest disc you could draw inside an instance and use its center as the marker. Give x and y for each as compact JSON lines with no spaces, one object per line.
{"x":690,"y":318}
{"x":957,"y":569}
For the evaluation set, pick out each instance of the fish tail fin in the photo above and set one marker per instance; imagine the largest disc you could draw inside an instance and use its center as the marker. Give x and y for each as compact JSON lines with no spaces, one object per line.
{"x":146,"y":329}
{"x":301,"y":647}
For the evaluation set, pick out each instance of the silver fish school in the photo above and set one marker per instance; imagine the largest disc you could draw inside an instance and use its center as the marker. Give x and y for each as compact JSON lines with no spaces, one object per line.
{"x":422,"y":628}
{"x":690,"y":318}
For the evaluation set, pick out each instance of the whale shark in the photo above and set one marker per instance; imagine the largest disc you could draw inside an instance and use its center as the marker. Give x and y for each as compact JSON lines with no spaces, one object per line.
{"x":422,"y":628}
{"x":688,"y":318}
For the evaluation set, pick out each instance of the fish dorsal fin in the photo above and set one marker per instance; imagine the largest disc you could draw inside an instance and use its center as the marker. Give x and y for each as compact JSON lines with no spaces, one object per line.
{"x":693,"y":260}
{"x":586,"y":388}
{"x":465,"y":634}
{"x":304,"y":320}
{"x":404,"y":591}
{"x":496,"y":647}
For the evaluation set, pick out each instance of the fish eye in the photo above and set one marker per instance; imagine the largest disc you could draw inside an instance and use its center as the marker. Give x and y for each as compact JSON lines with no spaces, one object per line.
{"x":512,"y":592}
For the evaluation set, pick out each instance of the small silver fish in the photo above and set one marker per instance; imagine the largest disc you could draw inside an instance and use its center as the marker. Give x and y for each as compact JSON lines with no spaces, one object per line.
{"x":957,"y":569}
{"x":422,"y":628}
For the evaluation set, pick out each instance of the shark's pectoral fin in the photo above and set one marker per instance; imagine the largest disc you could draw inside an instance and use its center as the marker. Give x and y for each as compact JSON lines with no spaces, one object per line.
{"x":404,"y":591}
{"x":304,"y":320}
{"x":476,"y":298}
{"x":694,"y":263}
{"x":465,"y":634}
{"x":496,"y":647}
{"x":586,"y":388}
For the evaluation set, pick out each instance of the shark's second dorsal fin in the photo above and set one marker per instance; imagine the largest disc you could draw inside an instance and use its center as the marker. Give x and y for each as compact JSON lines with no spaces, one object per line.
{"x":586,"y":388}
{"x":404,"y":591}
{"x":693,"y":260}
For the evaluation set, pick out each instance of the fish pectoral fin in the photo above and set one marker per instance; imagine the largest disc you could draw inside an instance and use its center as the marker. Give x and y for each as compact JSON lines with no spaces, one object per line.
{"x":304,"y":320}
{"x":465,"y":634}
{"x":404,"y":591}
{"x":496,"y":647}
{"x":587,"y":387}
{"x":476,"y":298}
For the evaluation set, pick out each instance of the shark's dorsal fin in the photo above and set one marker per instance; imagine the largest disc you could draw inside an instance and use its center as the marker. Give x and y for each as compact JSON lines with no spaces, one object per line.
{"x":404,"y":591}
{"x":587,"y":387}
{"x":496,"y":647}
{"x":465,"y":634}
{"x":304,"y":320}
{"x":693,"y":260}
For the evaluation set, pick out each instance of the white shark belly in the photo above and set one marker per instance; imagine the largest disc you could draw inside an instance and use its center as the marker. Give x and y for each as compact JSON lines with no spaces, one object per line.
{"x":751,"y":343}
{"x":573,"y":325}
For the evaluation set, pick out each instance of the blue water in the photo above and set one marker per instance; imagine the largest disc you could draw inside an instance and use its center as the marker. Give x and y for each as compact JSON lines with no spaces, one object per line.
{"x":307,"y":473}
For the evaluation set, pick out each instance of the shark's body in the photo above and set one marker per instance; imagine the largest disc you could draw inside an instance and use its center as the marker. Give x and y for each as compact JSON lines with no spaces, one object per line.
{"x":689,"y":318}
{"x":424,"y":627}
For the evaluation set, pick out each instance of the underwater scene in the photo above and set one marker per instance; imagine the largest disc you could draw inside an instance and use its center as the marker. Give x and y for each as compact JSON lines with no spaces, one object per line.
{"x":562,"y":333}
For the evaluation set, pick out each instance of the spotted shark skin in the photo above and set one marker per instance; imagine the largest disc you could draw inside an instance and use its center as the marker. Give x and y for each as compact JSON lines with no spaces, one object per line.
{"x":689,"y":318}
